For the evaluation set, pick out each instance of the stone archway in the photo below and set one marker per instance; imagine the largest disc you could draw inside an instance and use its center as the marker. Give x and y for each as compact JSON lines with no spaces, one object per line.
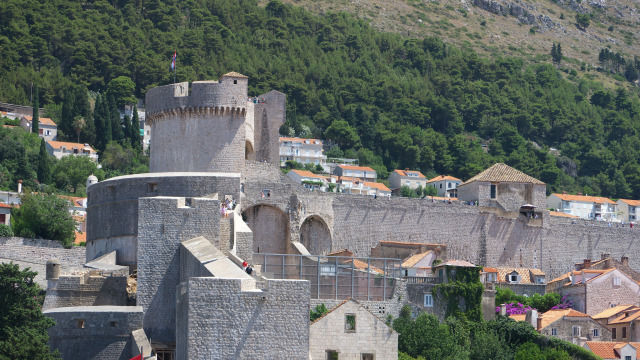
{"x":249,"y":153}
{"x":315,"y":235}
{"x":270,"y":227}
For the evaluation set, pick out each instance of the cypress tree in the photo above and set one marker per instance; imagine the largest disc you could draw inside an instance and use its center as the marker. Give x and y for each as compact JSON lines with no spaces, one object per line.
{"x":116,"y":124}
{"x":44,"y":166}
{"x":65,"y":128}
{"x":136,"y":141}
{"x":35,"y":125}
{"x":102,"y":122}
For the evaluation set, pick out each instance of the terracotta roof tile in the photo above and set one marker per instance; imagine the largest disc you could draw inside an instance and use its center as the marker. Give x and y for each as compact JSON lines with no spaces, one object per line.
{"x":518,"y":317}
{"x":235,"y":74}
{"x":306,"y":173}
{"x":560,"y":213}
{"x":300,"y":140}
{"x":42,"y":120}
{"x":503,"y":173}
{"x":631,"y":202}
{"x":346,"y":252}
{"x":443,"y":177}
{"x":9,"y":126}
{"x":525,"y":274}
{"x":594,"y":199}
{"x":414,"y":259}
{"x":623,"y":319}
{"x":612,"y":311}
{"x":609,"y":349}
{"x":3,"y":205}
{"x":379,"y":186}
{"x":361,"y":265}
{"x":80,"y":238}
{"x":406,"y":173}
{"x":553,"y":315}
{"x":69,"y":145}
{"x":351,"y":167}
{"x":490,"y":270}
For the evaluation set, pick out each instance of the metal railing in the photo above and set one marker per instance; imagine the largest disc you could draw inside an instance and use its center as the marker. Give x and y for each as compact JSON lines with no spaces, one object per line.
{"x":424,"y":280}
{"x":335,"y":277}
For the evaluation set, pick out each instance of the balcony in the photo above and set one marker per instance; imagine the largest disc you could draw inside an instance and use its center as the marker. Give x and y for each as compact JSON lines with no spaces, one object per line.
{"x":424,"y":280}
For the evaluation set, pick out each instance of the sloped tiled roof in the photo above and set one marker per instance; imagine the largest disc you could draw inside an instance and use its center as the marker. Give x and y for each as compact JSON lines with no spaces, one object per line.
{"x":623,"y":319}
{"x":379,"y":186}
{"x":3,"y":205}
{"x":351,"y":167}
{"x":406,"y":173}
{"x":69,"y":145}
{"x":42,"y":120}
{"x":305,"y":173}
{"x":612,"y":311}
{"x":525,"y":274}
{"x":343,"y":252}
{"x":631,"y":202}
{"x":560,"y":213}
{"x":361,"y":265}
{"x":414,"y":259}
{"x":583,"y":198}
{"x":518,"y":317}
{"x":503,"y":173}
{"x":235,"y":74}
{"x":490,"y":270}
{"x":552,"y":315}
{"x":610,"y":349}
{"x":458,"y":263}
{"x":300,"y":140}
{"x":444,"y":177}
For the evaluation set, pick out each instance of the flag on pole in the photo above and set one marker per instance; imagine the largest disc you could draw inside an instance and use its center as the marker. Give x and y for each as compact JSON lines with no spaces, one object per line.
{"x":173,"y":61}
{"x":139,"y":357}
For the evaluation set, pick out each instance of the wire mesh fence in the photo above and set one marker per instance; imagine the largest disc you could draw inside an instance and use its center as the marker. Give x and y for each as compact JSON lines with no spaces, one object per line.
{"x":335,"y":277}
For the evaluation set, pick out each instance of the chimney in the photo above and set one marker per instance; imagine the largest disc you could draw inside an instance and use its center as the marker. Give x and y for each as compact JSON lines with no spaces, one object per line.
{"x":532,"y":318}
{"x":607,"y":263}
{"x":19,"y":186}
{"x":539,"y":324}
{"x":625,"y":261}
{"x":579,"y":194}
{"x":587,"y":264}
{"x":604,"y":256}
{"x":564,"y":192}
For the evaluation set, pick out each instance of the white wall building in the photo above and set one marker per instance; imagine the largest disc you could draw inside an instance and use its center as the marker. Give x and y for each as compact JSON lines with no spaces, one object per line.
{"x":630,"y":210}
{"x":59,"y":149}
{"x":364,"y":173}
{"x":412,"y":179}
{"x":48,"y":130}
{"x":305,"y":151}
{"x":308,"y":179}
{"x":446,"y":185}
{"x":586,"y":207}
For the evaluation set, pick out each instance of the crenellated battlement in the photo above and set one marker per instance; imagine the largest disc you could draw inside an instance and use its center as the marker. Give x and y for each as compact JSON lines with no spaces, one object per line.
{"x":227,"y":96}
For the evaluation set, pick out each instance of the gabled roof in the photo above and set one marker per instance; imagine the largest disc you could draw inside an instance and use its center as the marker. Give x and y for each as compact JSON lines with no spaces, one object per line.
{"x":623,"y":319}
{"x":489,"y":270}
{"x":351,"y":167}
{"x":525,"y":274}
{"x":69,"y":145}
{"x":378,"y":186}
{"x":357,"y":303}
{"x":631,"y":202}
{"x":444,"y":177}
{"x":612,"y":311}
{"x":610,"y":349}
{"x":583,"y":198}
{"x":407,"y":172}
{"x":566,"y":281}
{"x":361,"y":265}
{"x":560,"y":213}
{"x":553,"y":315}
{"x":235,"y":74}
{"x":300,"y":140}
{"x":343,"y":252}
{"x":305,"y":173}
{"x":42,"y":120}
{"x":414,"y":259}
{"x":503,"y":173}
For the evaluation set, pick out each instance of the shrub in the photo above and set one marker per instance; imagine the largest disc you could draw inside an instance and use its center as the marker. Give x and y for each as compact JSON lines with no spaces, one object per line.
{"x":5,"y":230}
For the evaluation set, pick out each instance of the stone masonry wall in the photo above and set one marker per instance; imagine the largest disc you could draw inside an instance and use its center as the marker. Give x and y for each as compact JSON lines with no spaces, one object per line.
{"x":112,"y":212}
{"x":86,"y":290}
{"x":268,"y":117}
{"x":165,"y":222}
{"x":94,"y":333}
{"x":221,"y":319}
{"x":34,"y":254}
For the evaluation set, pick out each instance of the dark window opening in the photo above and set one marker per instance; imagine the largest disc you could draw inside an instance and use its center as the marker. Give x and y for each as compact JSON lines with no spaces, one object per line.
{"x":80,"y":323}
{"x":153,"y":187}
{"x":332,"y":355}
{"x":114,"y":324}
{"x":493,"y":191}
{"x":350,"y":323}
{"x":367,"y":356}
{"x":235,"y":81}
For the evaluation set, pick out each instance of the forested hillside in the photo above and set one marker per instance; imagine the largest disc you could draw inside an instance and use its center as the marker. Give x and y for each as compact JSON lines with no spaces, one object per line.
{"x":392,"y":101}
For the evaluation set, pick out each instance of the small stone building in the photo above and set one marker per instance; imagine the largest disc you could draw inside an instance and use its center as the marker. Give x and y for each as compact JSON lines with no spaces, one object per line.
{"x":566,"y":324}
{"x":611,"y":350}
{"x":47,"y":129}
{"x":406,"y":177}
{"x":504,"y":187}
{"x":350,"y":331}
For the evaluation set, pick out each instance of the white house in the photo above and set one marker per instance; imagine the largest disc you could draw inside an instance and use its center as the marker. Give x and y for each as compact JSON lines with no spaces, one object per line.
{"x":630,"y":210}
{"x":364,"y":173}
{"x":60,"y":149}
{"x":586,"y":207}
{"x":410,"y":178}
{"x":419,"y":264}
{"x":305,"y":151}
{"x":308,"y":179}
{"x":446,"y":185}
{"x":48,"y":130}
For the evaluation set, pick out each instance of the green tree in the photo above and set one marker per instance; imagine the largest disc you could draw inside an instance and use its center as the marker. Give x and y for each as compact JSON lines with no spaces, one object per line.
{"x":341,"y":132}
{"x":44,"y":164}
{"x":317,"y":312}
{"x":122,"y":89}
{"x":134,"y":132}
{"x":23,"y":334}
{"x":71,"y":172}
{"x":35,"y":121}
{"x":406,"y":191}
{"x":117,"y":133}
{"x":583,"y":21}
{"x":45,"y":216}
{"x":430,"y":191}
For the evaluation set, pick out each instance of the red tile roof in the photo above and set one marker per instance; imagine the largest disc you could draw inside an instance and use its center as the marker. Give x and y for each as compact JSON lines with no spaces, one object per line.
{"x":299,"y":140}
{"x":594,"y":199}
{"x":631,"y":202}
{"x":525,"y":274}
{"x":42,"y":120}
{"x":407,"y":172}
{"x":559,"y":213}
{"x":612,"y":311}
{"x":610,"y":349}
{"x":378,"y":186}
{"x":351,"y":167}
{"x":552,"y":315}
{"x":414,"y":259}
{"x":444,"y":177}
{"x":235,"y":74}
{"x":3,"y":205}
{"x":623,"y":319}
{"x":305,"y":173}
{"x":69,"y":145}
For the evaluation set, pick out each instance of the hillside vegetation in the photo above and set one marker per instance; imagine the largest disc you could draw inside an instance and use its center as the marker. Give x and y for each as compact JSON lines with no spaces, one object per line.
{"x":391,"y":101}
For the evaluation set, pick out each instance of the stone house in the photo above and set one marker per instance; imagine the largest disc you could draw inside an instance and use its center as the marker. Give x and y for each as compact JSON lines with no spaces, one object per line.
{"x":593,"y":291}
{"x":446,"y":185}
{"x":406,"y":177}
{"x":585,"y":207}
{"x":610,"y":350}
{"x":611,"y":314}
{"x":626,"y":327}
{"x":606,"y":262}
{"x":48,"y":130}
{"x":504,"y":187}
{"x":364,"y":173}
{"x":350,"y":331}
{"x":419,"y":264}
{"x":566,"y":324}
{"x":308,"y":179}
{"x":5,"y":214}
{"x":305,"y":151}
{"x":522,"y":281}
{"x":629,"y":209}
{"x":60,"y":149}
